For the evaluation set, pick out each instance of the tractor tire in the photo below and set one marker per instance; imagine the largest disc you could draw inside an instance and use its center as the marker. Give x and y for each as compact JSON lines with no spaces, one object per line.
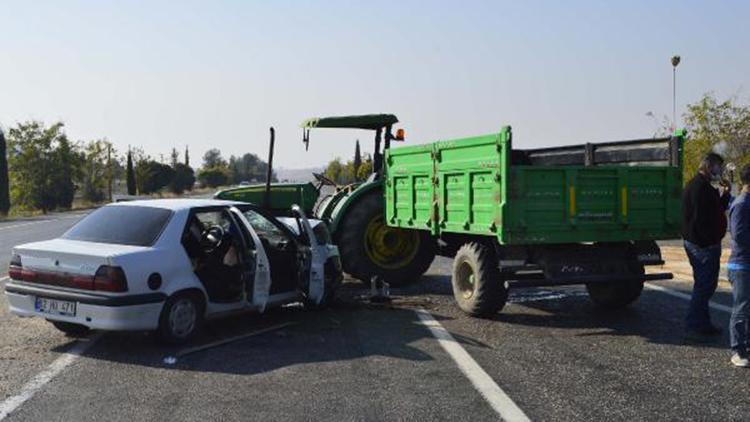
{"x":477,"y":283}
{"x":369,"y":247}
{"x":617,"y":295}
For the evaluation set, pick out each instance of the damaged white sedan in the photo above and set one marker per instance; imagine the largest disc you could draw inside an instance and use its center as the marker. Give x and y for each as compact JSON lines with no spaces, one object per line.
{"x":167,"y":265}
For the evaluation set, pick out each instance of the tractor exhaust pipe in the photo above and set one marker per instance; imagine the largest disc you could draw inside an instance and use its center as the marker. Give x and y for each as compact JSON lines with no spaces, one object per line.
{"x":269,"y":172}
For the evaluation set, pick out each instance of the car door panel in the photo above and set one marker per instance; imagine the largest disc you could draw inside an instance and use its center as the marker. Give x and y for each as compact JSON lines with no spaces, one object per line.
{"x":261,"y":283}
{"x":318,"y":255}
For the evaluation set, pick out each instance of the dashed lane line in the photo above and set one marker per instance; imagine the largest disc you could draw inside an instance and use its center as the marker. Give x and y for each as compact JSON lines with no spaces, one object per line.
{"x":49,"y":220}
{"x":12,"y":403}
{"x":495,"y":396}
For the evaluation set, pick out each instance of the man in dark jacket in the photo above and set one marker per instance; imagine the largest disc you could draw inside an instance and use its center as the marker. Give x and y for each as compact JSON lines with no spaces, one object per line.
{"x":704,"y":225}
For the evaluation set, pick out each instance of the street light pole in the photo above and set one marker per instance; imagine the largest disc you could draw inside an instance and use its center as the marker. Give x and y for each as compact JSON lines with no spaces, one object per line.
{"x":675,"y":61}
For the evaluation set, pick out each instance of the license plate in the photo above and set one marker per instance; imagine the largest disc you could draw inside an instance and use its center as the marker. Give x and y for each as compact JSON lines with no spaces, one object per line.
{"x":55,"y":307}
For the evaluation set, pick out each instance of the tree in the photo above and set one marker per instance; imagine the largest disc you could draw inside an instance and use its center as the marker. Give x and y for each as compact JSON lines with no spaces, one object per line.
{"x":152,"y":176}
{"x":65,"y":169}
{"x":214,"y":176}
{"x":174,"y":157}
{"x":721,"y":127}
{"x":212,"y":158}
{"x":357,"y":158}
{"x":334,"y":169}
{"x":183,"y":179}
{"x":4,"y":182}
{"x":364,"y":170}
{"x":249,"y":167}
{"x":130,"y":174}
{"x":43,"y":165}
{"x":187,"y":156}
{"x":95,"y":169}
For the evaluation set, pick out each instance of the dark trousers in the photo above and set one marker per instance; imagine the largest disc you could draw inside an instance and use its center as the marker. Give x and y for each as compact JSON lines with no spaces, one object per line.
{"x":738,"y":323}
{"x":705,"y":263}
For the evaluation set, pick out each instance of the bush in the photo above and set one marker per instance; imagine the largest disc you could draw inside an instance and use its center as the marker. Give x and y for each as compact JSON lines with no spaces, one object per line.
{"x":152,"y":176}
{"x":184,"y":179}
{"x":214,"y":176}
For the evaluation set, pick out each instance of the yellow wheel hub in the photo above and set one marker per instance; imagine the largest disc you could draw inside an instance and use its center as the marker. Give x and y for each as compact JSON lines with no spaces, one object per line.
{"x":389,"y":247}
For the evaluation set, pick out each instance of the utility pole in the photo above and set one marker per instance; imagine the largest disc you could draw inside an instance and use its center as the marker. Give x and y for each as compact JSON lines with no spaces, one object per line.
{"x":109,"y":171}
{"x":675,"y":61}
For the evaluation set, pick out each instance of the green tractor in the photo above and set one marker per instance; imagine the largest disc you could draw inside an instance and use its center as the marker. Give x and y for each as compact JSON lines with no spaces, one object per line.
{"x":355,"y":213}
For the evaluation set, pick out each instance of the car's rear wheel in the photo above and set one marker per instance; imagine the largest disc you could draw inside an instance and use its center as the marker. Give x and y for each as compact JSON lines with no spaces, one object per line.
{"x":71,"y":329}
{"x":181,"y":318}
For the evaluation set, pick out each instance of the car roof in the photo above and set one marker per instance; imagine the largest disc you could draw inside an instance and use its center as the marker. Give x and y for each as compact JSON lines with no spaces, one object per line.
{"x":176,"y":204}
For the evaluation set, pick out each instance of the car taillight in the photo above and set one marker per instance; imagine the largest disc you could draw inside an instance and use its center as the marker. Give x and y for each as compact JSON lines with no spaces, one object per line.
{"x":15,"y":271}
{"x":110,"y":279}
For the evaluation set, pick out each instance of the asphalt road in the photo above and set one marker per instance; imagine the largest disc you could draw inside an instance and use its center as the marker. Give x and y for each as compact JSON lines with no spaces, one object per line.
{"x":551,"y":351}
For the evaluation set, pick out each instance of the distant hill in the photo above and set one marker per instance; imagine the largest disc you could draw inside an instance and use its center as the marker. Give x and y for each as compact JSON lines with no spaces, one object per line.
{"x":297,"y":175}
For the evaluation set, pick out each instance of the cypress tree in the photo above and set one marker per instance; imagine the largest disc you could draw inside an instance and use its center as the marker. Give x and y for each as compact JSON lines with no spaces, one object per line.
{"x":130,"y":175}
{"x":357,"y":159}
{"x":4,"y":183}
{"x":187,"y":156}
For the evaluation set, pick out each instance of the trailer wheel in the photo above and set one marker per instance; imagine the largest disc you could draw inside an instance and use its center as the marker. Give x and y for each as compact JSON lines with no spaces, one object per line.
{"x":369,"y":247}
{"x":477,"y":284}
{"x":617,"y":295}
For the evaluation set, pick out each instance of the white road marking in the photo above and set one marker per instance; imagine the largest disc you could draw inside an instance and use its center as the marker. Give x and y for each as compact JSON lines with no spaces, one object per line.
{"x":686,"y":296}
{"x":54,"y":369}
{"x":26,"y":224}
{"x":495,"y":396}
{"x":49,"y":220}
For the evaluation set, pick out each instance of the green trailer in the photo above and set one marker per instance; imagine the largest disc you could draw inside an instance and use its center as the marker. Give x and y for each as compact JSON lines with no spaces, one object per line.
{"x":584,"y":214}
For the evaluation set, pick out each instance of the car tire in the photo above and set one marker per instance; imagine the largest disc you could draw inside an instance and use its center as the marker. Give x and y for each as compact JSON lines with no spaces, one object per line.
{"x":619,"y":295}
{"x":71,"y":329}
{"x":477,"y":283}
{"x":181,"y":318}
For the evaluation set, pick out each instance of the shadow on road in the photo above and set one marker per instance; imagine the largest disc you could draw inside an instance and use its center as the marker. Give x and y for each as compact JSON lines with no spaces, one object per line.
{"x":344,"y":332}
{"x":656,"y":317}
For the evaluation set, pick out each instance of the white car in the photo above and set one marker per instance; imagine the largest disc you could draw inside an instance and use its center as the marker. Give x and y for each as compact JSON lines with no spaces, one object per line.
{"x":167,"y":265}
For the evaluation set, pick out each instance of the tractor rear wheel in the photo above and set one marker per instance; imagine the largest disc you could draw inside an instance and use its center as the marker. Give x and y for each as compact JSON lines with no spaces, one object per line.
{"x":369,"y":247}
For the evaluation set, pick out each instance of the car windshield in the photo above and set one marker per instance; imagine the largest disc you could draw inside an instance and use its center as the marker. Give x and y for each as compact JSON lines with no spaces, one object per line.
{"x":122,"y":225}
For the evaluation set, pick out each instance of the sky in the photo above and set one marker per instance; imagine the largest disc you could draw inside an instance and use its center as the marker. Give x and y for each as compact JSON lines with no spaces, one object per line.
{"x":218,"y":74}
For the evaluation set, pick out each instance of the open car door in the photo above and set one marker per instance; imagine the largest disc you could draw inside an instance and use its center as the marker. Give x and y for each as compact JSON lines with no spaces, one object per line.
{"x":319,"y":254}
{"x":259,"y":291}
